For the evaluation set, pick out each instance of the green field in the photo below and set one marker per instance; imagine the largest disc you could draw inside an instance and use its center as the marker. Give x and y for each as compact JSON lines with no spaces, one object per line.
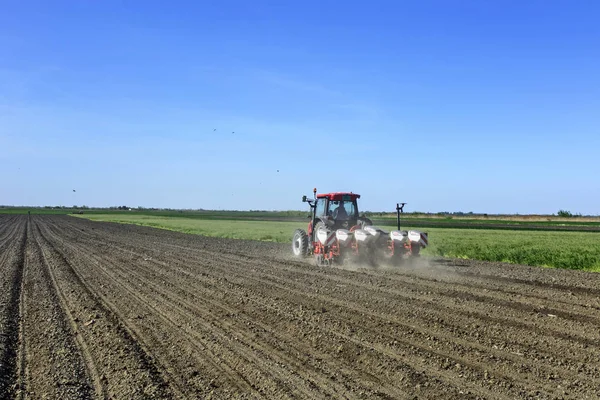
{"x":557,"y":249}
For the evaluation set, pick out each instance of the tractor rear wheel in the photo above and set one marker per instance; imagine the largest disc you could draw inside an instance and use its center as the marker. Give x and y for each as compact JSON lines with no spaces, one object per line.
{"x":300,"y":243}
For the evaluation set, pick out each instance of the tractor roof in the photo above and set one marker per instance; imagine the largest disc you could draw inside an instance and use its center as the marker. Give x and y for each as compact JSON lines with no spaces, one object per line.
{"x":337,"y":196}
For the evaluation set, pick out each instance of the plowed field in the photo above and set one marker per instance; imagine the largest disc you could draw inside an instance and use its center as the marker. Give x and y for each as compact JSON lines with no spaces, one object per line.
{"x":94,"y":310}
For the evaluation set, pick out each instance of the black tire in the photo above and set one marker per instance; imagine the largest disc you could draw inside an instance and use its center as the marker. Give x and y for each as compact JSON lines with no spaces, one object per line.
{"x":300,"y":244}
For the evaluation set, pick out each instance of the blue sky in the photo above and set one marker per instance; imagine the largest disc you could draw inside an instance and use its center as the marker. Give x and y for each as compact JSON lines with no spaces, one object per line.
{"x":483,"y":106}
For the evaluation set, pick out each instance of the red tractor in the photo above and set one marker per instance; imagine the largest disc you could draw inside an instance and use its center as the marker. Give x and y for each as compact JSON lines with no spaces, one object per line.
{"x":337,"y":233}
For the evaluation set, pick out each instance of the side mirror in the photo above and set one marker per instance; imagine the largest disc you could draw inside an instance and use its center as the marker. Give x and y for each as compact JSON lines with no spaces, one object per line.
{"x":304,"y":199}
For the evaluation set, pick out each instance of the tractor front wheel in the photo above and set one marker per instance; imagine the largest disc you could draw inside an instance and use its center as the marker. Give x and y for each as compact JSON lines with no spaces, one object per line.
{"x":300,"y":244}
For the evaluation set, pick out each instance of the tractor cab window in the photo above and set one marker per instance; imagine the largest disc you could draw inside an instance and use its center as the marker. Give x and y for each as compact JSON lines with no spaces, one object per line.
{"x":320,"y":211}
{"x":342,"y":210}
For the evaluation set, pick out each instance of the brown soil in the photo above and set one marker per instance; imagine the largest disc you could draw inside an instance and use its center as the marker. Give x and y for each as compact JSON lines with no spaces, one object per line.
{"x":99,"y":310}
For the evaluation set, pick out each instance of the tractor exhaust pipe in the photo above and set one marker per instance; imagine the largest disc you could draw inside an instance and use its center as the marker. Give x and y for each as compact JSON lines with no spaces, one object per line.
{"x":314,"y":208}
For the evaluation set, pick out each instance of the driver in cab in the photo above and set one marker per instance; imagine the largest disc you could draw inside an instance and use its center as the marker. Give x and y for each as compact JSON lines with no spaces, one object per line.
{"x":340,"y":212}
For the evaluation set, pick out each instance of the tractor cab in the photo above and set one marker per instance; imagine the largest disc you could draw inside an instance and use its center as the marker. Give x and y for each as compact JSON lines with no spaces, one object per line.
{"x":337,"y":210}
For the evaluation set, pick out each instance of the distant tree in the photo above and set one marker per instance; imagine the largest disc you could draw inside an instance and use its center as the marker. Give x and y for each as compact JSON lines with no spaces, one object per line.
{"x":564,"y":214}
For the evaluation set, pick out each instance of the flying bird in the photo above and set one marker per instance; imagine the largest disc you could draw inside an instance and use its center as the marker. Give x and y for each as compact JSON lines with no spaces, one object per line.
{"x":214,"y":129}
{"x":74,"y":190}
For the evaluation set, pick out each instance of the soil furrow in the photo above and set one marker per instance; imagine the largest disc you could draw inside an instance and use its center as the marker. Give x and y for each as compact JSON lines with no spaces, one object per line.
{"x":12,"y":265}
{"x":117,"y":363}
{"x":52,"y":331}
{"x":230,"y":265}
{"x":501,"y":347}
{"x":241,"y":319}
{"x":374,"y":387}
{"x":210,"y":324}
